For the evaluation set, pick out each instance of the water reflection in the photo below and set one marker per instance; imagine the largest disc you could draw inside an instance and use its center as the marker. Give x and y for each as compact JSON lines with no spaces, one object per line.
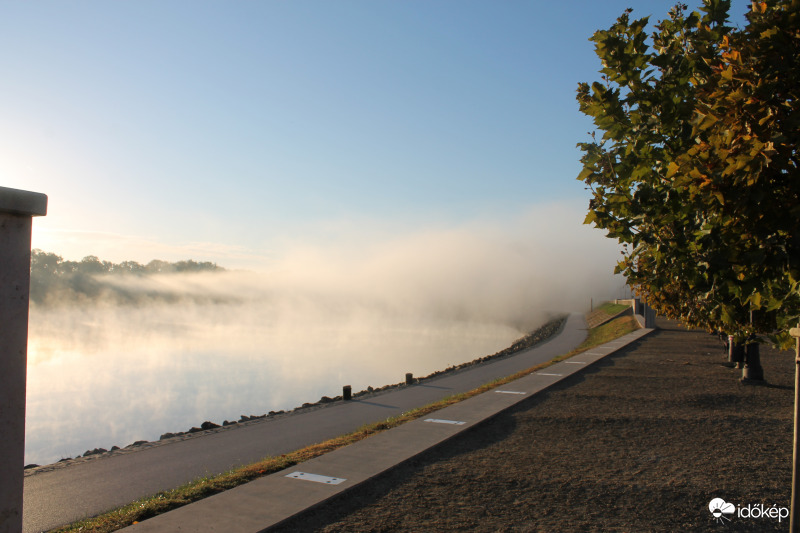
{"x":110,"y":375}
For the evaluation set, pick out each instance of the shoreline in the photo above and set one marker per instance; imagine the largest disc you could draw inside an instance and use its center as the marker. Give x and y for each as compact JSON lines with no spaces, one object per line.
{"x":542,"y":334}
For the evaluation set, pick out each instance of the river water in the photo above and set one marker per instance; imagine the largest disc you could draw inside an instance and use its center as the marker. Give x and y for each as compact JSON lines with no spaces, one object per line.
{"x":105,"y":375}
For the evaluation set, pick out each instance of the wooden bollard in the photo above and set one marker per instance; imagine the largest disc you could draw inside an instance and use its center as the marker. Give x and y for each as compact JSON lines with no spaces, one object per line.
{"x":347,"y":392}
{"x":409,"y":378}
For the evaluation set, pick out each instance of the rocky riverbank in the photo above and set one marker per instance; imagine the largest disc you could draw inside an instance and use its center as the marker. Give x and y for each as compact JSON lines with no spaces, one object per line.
{"x":548,"y":330}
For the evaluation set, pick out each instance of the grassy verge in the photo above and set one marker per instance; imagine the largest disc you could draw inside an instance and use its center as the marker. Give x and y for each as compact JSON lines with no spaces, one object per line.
{"x":612,"y":308}
{"x":204,"y":487}
{"x":608,"y":332}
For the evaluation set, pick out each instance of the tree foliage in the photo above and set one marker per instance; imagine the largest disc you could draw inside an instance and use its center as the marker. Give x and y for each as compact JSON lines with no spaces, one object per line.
{"x":54,"y":280}
{"x":696,"y":170}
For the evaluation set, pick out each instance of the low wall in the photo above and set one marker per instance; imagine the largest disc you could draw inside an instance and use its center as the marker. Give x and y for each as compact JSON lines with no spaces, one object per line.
{"x":644,"y":314}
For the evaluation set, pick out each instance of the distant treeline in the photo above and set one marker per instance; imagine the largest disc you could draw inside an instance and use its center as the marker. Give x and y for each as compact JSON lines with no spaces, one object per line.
{"x":45,"y":263}
{"x":54,"y":280}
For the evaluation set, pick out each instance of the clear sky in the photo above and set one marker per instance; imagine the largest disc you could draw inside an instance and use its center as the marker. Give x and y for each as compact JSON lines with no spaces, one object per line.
{"x":224,"y":130}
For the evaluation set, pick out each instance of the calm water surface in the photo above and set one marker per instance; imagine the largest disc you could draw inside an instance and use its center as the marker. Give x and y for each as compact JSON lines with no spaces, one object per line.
{"x":110,"y":375}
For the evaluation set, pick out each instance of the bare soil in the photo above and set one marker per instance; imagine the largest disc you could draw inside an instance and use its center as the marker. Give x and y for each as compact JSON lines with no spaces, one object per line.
{"x":641,"y":441}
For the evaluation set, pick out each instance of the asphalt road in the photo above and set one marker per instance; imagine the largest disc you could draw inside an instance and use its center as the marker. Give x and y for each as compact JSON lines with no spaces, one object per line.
{"x":82,"y":490}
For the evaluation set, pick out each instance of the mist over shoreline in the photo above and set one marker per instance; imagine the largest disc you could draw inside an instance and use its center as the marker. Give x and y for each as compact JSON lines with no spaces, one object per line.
{"x":184,"y":347}
{"x":497,"y":269}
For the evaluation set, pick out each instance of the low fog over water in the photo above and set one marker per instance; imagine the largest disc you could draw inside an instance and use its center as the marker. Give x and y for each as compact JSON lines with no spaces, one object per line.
{"x":112,"y":371}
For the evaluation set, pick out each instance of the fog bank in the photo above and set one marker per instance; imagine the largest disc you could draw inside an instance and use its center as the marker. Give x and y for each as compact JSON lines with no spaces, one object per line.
{"x":509,"y":271}
{"x":361,"y":309}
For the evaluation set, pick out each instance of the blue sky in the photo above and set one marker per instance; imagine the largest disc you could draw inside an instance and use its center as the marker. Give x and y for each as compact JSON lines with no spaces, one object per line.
{"x":226,"y":131}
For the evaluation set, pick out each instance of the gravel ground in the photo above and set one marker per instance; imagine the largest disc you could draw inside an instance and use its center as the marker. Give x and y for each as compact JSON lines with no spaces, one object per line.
{"x":641,"y":441}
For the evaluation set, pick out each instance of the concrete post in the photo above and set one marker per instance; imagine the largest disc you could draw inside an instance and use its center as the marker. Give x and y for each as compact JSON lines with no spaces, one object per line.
{"x":16,"y":209}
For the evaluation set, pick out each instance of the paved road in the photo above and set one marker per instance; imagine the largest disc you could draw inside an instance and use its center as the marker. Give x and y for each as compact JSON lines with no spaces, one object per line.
{"x":62,"y":496}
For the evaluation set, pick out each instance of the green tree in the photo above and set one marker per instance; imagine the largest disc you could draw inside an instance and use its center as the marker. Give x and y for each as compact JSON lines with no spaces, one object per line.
{"x":129,"y":267}
{"x":44,"y":263}
{"x":696,"y":170}
{"x":92,"y":265}
{"x":157,"y":266}
{"x":45,"y":270}
{"x":54,"y":280}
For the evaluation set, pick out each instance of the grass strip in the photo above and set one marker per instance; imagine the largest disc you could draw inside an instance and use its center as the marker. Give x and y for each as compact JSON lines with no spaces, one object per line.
{"x":612,"y":309}
{"x":202,"y":488}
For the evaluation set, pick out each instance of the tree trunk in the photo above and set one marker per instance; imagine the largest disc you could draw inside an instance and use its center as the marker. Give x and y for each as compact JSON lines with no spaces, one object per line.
{"x":752,"y":363}
{"x":736,"y":353}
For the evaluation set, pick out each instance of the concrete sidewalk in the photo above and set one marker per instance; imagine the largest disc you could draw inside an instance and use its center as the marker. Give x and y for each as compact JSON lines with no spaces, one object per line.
{"x":272,"y":499}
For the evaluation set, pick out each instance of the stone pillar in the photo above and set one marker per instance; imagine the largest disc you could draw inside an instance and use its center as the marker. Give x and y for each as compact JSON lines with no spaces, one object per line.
{"x":16,"y":209}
